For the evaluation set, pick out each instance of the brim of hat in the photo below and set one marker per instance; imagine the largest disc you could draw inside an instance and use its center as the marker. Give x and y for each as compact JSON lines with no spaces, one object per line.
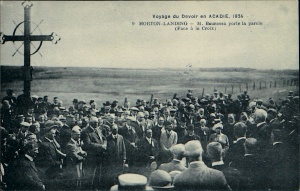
{"x":116,"y":188}
{"x":164,"y":187}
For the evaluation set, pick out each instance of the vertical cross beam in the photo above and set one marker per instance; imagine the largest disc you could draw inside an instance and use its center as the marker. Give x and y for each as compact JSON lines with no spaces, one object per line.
{"x":27,"y":29}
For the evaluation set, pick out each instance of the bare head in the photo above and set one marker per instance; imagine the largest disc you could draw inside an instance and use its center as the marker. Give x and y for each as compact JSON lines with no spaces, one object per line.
{"x":239,"y":129}
{"x":214,"y":151}
{"x":260,"y":115}
{"x":250,"y":146}
{"x":178,"y":151}
{"x":193,"y":151}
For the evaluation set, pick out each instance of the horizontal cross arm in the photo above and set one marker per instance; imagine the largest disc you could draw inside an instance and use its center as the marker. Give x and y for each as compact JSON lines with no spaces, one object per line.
{"x":32,"y":38}
{"x":41,"y":37}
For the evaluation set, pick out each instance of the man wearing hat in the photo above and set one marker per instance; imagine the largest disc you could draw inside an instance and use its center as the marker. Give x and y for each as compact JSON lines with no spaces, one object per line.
{"x":75,"y":157}
{"x":175,"y":164}
{"x":190,"y":134}
{"x":50,"y":156}
{"x":95,"y":145}
{"x":23,"y":131}
{"x":119,"y":116}
{"x":134,"y":111}
{"x":290,"y":95}
{"x":30,"y":113}
{"x":211,"y":120}
{"x":127,"y":130}
{"x":81,"y":104}
{"x":114,"y":107}
{"x":16,"y":124}
{"x":181,"y":131}
{"x":107,"y":110}
{"x":55,"y":103}
{"x":198,"y":176}
{"x":65,"y":133}
{"x":272,"y":104}
{"x":10,"y":98}
{"x":244,"y":98}
{"x":160,"y":180}
{"x":131,"y":181}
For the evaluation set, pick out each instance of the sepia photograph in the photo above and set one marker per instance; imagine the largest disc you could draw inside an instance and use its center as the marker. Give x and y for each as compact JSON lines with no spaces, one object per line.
{"x":149,"y":95}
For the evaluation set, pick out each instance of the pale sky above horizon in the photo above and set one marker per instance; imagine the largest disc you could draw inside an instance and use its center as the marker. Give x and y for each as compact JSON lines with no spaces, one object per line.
{"x":101,"y":34}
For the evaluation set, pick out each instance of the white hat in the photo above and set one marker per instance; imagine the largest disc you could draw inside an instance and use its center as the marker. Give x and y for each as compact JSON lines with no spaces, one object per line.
{"x":217,"y":126}
{"x":76,"y":129}
{"x":25,"y":124}
{"x":131,"y":182}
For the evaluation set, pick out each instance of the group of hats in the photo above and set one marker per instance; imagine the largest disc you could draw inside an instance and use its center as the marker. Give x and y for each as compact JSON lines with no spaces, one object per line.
{"x":159,"y":179}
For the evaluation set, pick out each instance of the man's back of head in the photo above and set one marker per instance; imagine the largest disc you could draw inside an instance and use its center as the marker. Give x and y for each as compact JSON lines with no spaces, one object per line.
{"x":214,"y":151}
{"x":193,"y":150}
{"x":240,"y":129}
{"x":178,"y":151}
{"x":250,"y":146}
{"x":260,"y":116}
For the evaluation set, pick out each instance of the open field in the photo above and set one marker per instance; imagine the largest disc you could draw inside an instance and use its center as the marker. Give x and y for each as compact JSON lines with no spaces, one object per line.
{"x":102,"y":84}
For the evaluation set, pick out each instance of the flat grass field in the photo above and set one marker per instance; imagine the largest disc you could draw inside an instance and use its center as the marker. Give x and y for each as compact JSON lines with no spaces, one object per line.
{"x":109,"y":84}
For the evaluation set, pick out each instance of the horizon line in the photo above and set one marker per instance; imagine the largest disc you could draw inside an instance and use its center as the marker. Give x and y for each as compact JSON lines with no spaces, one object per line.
{"x":175,"y":68}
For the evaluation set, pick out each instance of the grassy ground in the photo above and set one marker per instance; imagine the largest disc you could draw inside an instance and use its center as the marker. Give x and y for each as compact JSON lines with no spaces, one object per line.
{"x":116,"y":84}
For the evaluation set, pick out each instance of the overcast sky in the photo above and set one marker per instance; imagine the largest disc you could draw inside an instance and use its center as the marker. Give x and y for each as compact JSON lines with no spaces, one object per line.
{"x":101,"y":34}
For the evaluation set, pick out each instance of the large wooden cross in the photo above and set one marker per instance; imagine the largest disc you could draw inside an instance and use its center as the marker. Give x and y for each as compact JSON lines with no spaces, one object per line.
{"x":26,"y":38}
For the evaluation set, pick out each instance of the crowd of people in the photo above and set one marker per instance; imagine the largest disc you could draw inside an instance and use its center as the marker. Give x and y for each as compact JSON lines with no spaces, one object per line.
{"x":208,"y":143}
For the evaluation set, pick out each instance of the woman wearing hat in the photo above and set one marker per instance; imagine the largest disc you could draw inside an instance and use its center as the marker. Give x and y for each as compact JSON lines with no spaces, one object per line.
{"x":219,"y":137}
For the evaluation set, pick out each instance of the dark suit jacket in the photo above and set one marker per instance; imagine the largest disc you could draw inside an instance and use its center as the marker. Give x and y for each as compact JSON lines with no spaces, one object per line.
{"x":145,"y":150}
{"x":64,"y":136}
{"x":94,"y":144}
{"x":48,"y":160}
{"x":171,"y":166}
{"x":275,"y":124}
{"x":156,"y":130}
{"x":254,"y":172}
{"x":199,"y":177}
{"x":116,"y":151}
{"x":47,"y":155}
{"x":228,"y":130}
{"x":127,"y":134}
{"x":232,"y":175}
{"x":283,"y":168}
{"x":263,"y":134}
{"x":188,"y":138}
{"x":138,"y":127}
{"x":235,"y":152}
{"x":25,"y":175}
